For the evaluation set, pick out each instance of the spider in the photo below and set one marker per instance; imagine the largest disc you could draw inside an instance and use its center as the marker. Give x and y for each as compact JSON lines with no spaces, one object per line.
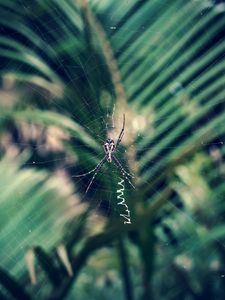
{"x":110,"y":148}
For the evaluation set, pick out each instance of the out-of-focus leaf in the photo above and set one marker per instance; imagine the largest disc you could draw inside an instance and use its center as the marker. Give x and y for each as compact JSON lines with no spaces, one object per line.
{"x":49,"y":118}
{"x":12,"y":286}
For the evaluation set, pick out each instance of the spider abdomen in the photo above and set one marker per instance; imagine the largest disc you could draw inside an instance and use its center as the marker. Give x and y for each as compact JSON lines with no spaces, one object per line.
{"x":109,"y":148}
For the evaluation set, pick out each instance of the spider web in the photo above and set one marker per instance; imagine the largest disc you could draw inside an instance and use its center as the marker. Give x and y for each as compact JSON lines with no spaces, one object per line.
{"x":106,"y":197}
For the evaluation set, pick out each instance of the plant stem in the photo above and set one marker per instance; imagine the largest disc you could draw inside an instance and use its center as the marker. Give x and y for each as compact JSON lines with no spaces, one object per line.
{"x":128,"y":291}
{"x":147,"y":241}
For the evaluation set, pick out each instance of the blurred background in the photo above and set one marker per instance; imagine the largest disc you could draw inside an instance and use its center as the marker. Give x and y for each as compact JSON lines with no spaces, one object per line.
{"x":69,"y":71}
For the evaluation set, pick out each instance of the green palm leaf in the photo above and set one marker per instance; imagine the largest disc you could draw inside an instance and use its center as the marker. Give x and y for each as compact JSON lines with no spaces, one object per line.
{"x":160,"y":62}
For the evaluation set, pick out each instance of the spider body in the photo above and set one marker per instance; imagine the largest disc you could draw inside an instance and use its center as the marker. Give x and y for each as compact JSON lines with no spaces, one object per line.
{"x":110,"y":149}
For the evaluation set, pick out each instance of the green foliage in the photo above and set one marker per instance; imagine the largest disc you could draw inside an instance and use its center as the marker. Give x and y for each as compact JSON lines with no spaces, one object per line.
{"x":64,"y":66}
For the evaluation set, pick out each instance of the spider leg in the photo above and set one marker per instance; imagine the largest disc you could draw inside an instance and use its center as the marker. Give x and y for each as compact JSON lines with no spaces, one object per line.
{"x":122,"y":172}
{"x":81,"y":175}
{"x":121,"y":167}
{"x":96,"y":172}
{"x":121,"y":132}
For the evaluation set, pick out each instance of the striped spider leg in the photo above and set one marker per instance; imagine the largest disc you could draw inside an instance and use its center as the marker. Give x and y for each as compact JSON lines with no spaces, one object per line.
{"x":110,"y":148}
{"x":123,"y":171}
{"x":95,"y":170}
